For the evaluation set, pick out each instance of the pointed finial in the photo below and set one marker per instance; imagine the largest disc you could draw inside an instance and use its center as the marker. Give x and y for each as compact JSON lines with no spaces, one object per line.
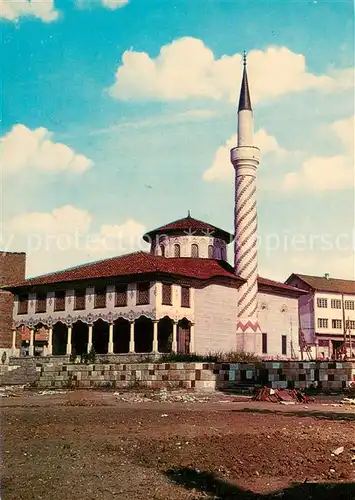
{"x":244,"y":98}
{"x":189,"y":213}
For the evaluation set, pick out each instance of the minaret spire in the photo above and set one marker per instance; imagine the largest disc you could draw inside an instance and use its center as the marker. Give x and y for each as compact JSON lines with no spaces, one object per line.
{"x":245,"y":159}
{"x":244,"y":99}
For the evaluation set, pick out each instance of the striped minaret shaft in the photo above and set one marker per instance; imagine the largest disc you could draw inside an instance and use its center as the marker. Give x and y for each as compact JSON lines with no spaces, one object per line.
{"x":245,"y":158}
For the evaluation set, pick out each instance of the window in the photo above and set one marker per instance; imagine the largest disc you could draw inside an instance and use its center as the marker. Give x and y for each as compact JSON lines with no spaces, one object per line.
{"x":100,"y":297}
{"x":194,"y":250}
{"x":22,"y":307}
{"x":223,"y":253}
{"x":284,"y":344}
{"x":121,"y":296}
{"x":335,"y":304}
{"x":162,"y":250}
{"x":143,"y":293}
{"x":349,"y":304}
{"x":41,"y":302}
{"x":166,"y":294}
{"x":59,"y":300}
{"x":185,"y":296}
{"x":210,"y":251}
{"x":322,"y":323}
{"x":322,"y":303}
{"x":336,"y":323}
{"x":351,"y":324}
{"x":177,"y":250}
{"x":79,"y":299}
{"x":264,"y":343}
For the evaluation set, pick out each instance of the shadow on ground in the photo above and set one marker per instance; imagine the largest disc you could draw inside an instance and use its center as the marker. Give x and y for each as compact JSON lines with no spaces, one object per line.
{"x":217,"y":488}
{"x":347,"y":417}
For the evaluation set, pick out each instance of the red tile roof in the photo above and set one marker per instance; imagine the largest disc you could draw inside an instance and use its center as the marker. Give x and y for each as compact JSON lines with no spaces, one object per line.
{"x":142,"y":263}
{"x":189,"y":224}
{"x":323,"y":284}
{"x":136,"y":264}
{"x":266,"y":285}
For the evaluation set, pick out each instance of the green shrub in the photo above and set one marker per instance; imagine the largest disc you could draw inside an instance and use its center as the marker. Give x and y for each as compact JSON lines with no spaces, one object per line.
{"x":239,"y":357}
{"x":72,"y":357}
{"x":186,"y":358}
{"x":92,"y":356}
{"x":211,"y":357}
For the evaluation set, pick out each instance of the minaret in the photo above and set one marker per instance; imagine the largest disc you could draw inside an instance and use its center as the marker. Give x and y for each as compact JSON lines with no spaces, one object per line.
{"x":245,"y":158}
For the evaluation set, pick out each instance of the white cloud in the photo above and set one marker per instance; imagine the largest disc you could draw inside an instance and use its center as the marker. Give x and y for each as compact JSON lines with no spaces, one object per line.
{"x":344,"y":130}
{"x":65,"y":237}
{"x":108,"y":4}
{"x":24,"y":149}
{"x":186,"y":68}
{"x":114,"y":4}
{"x":222,"y":169}
{"x":322,"y":173}
{"x":12,"y":10}
{"x":66,"y":219}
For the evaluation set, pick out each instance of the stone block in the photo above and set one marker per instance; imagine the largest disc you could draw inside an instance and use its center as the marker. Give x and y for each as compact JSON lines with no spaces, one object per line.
{"x":207,"y":375}
{"x":205,"y":385}
{"x":196,"y":366}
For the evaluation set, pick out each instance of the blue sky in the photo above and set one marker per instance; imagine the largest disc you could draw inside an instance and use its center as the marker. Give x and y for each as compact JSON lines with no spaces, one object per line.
{"x":141,"y":97}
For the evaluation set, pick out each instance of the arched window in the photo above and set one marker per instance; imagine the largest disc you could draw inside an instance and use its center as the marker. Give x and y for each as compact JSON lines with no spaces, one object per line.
{"x":223,"y":253}
{"x":162,"y":250}
{"x":177,"y":250}
{"x":194,"y":250}
{"x":210,"y":251}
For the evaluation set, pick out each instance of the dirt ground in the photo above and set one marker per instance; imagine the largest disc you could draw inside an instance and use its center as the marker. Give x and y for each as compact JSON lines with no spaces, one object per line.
{"x":97,"y":445}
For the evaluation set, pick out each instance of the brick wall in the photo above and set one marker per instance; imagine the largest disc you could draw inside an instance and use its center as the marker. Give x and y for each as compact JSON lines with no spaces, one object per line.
{"x":12,"y":270}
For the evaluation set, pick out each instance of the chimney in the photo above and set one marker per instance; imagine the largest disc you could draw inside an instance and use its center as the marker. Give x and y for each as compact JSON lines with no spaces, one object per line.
{"x":326,"y":276}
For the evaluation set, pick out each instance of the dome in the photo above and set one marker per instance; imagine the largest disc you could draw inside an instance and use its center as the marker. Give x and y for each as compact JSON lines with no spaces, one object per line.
{"x":189,"y":237}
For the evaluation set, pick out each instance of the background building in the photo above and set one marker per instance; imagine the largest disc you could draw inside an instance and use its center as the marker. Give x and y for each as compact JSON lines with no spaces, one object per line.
{"x":12,"y":270}
{"x":327,"y":314}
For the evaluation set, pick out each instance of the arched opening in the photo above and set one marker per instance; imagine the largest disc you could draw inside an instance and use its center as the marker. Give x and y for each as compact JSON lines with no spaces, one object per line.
{"x":121,"y":333}
{"x":41,"y":334}
{"x":183,"y":336}
{"x":80,"y":336}
{"x":194,"y":250}
{"x":165,"y":334}
{"x":143,"y":334}
{"x":100,"y":334}
{"x":59,"y":339}
{"x":223,"y":253}
{"x":162,"y":250}
{"x":177,"y":250}
{"x":210,"y":251}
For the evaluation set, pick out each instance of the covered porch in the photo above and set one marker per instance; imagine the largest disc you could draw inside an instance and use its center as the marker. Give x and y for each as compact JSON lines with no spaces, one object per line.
{"x":122,"y":336}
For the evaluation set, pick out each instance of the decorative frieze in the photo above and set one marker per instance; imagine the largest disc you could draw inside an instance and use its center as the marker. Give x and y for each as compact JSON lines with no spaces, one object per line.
{"x":89,"y":318}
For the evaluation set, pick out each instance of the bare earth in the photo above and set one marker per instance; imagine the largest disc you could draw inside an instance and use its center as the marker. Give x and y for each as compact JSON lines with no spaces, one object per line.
{"x":94,"y":445}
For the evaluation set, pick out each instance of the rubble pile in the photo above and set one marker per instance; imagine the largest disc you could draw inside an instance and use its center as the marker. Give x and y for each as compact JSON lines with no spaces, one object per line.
{"x":283,"y":396}
{"x":348,"y":401}
{"x":162,"y":396}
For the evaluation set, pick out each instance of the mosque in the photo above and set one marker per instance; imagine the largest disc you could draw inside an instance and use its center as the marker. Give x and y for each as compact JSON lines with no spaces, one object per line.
{"x":182,"y":296}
